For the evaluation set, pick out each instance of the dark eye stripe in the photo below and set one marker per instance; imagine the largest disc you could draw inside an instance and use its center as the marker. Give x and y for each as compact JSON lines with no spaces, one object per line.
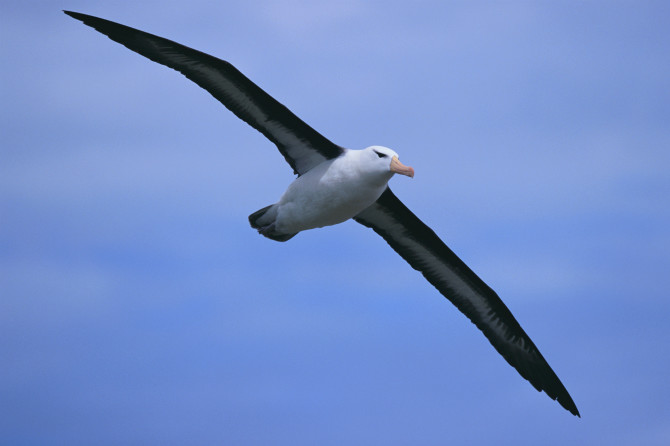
{"x":380,"y":155}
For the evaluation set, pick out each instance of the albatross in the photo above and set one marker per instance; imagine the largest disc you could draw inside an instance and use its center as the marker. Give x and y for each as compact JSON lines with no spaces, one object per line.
{"x":335,"y":184}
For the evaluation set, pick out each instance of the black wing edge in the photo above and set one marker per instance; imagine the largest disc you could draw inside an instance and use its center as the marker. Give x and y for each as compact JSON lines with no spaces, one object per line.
{"x":404,"y":231}
{"x":186,"y":61}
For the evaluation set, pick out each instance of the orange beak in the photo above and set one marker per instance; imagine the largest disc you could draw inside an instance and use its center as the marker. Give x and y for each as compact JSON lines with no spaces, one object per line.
{"x":398,"y":167}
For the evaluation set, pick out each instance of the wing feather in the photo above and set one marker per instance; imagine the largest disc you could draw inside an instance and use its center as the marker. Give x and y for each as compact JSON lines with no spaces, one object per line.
{"x":425,"y":252}
{"x":302,"y":146}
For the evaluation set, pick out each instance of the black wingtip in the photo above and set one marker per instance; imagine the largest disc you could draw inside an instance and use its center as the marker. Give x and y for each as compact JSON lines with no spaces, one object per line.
{"x":73,"y":14}
{"x":87,"y":19}
{"x":568,"y":404}
{"x":572,"y":408}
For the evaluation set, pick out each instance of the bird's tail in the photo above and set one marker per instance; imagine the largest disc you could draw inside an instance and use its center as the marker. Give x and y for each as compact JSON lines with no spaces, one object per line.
{"x":264,"y":221}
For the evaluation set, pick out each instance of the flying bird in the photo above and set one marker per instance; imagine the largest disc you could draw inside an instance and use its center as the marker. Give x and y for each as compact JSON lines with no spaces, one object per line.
{"x":335,"y":184}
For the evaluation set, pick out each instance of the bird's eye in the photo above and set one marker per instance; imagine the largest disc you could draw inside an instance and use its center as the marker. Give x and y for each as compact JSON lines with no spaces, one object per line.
{"x":381,"y":155}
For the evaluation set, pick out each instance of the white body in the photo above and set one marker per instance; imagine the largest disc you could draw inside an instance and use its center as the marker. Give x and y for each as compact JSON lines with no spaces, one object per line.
{"x":332,"y":192}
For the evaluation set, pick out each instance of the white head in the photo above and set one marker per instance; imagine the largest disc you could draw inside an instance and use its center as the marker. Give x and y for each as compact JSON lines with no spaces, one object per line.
{"x":386,"y":160}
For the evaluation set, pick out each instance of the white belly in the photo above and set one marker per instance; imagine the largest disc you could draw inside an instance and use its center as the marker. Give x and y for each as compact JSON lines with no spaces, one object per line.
{"x":326,"y":195}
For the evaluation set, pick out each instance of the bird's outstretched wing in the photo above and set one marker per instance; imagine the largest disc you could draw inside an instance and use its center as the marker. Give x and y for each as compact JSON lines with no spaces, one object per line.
{"x":302,"y":146}
{"x":425,"y":252}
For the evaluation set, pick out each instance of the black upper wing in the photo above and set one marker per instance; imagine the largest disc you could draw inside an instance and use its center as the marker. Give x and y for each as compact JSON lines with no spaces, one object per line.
{"x":302,"y":146}
{"x":425,"y":252}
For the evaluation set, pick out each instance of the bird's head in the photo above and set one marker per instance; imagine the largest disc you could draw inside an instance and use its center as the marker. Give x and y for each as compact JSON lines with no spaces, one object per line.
{"x":386,"y":160}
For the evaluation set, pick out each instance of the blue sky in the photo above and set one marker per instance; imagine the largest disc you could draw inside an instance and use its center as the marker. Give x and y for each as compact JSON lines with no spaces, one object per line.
{"x":138,"y":307}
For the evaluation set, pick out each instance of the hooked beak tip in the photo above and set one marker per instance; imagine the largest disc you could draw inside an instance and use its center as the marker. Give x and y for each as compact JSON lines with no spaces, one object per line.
{"x":398,"y":167}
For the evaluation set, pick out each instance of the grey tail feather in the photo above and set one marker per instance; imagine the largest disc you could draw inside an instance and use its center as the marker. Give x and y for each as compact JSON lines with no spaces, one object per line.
{"x":267,"y":228}
{"x":277,"y":237}
{"x":253,"y":218}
